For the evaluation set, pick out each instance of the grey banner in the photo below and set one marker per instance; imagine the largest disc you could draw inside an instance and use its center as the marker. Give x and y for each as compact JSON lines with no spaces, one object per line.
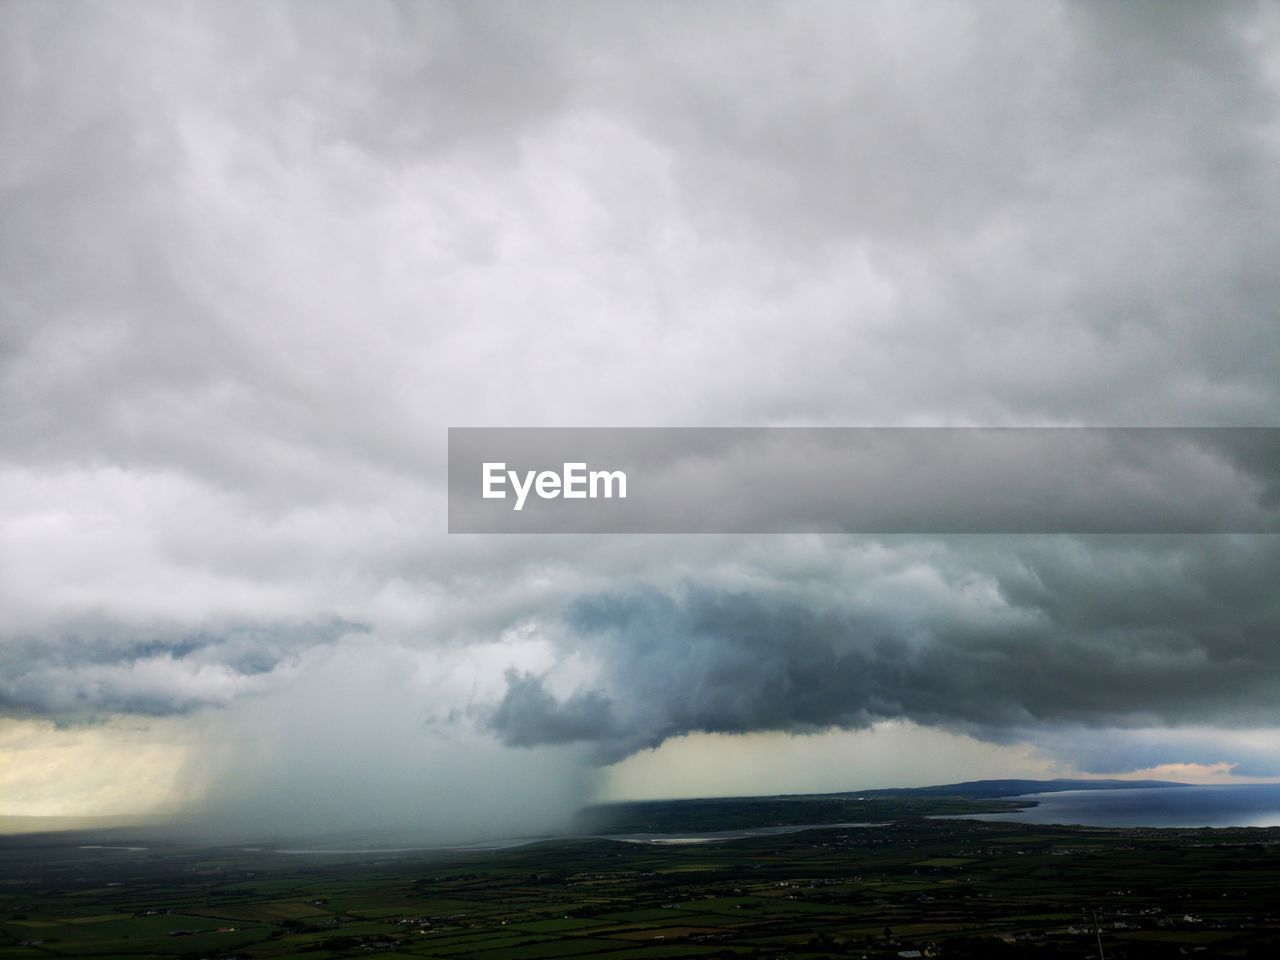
{"x":864,"y":480}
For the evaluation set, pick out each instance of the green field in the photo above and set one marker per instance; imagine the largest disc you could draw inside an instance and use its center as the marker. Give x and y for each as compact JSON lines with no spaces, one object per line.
{"x":949,"y":888}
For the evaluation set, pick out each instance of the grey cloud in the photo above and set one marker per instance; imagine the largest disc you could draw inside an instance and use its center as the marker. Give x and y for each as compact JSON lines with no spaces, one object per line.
{"x":92,"y":670}
{"x":1249,"y":753}
{"x":1090,"y":631}
{"x":529,"y":715}
{"x":1035,"y":214}
{"x":254,"y":260}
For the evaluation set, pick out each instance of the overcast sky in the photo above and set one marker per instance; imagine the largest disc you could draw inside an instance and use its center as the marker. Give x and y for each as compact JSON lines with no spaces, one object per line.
{"x":255,"y":259}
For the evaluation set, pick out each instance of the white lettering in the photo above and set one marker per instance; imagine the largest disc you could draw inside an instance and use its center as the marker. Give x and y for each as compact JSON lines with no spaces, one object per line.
{"x":573,"y":483}
{"x":548,"y":484}
{"x":609,"y":476}
{"x":521,"y":491}
{"x":493,"y":474}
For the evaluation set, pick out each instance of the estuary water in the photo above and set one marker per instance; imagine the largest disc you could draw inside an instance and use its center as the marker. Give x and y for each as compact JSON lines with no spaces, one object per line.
{"x":657,"y":839}
{"x":1234,"y":805}
{"x":715,"y":836}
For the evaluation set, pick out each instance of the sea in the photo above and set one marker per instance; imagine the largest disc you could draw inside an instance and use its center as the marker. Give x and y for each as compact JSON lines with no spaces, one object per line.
{"x":1234,"y":805}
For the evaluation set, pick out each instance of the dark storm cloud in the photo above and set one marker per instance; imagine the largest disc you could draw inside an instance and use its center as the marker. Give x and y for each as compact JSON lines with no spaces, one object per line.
{"x":255,"y":259}
{"x":529,"y":715}
{"x":93,"y":670}
{"x":1096,"y":631}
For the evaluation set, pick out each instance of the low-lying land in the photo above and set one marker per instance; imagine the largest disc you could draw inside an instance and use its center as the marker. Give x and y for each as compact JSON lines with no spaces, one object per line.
{"x":913,"y":886}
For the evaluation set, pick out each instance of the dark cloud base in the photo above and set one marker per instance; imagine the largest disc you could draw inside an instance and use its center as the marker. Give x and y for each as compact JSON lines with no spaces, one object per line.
{"x":1074,"y":631}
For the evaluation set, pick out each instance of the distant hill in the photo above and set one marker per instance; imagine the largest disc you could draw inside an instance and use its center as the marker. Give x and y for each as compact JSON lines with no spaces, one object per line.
{"x":985,"y":789}
{"x":731,"y":813}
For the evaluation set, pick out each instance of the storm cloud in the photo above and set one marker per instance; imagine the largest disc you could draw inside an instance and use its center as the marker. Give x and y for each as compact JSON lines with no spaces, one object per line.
{"x":989,"y":639}
{"x":254,"y":260}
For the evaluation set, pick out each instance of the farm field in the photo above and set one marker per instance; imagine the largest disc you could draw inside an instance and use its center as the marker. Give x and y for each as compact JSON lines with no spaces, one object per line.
{"x":952,"y":888}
